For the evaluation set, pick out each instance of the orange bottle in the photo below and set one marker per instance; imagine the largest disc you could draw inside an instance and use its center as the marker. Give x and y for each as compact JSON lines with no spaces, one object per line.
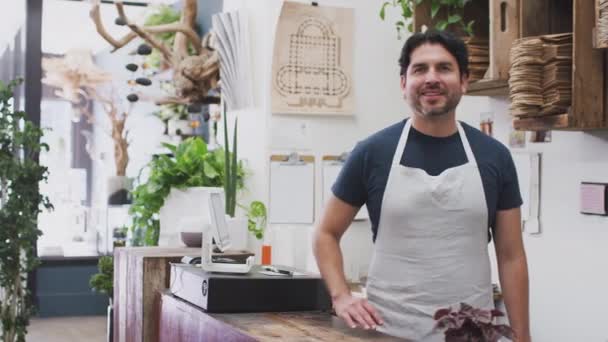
{"x":266,"y":254}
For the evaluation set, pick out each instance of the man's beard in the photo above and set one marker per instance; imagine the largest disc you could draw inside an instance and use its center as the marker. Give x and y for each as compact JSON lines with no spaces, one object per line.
{"x":450,"y":105}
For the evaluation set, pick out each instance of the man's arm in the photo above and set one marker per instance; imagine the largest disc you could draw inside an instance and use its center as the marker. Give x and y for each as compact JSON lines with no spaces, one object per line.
{"x":336,"y":218}
{"x":513,"y":271}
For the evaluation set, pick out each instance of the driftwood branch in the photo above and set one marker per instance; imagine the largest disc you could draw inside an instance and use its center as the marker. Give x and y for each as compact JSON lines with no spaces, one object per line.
{"x":95,"y":15}
{"x":187,"y":19}
{"x":167,"y":55}
{"x":193,"y":76}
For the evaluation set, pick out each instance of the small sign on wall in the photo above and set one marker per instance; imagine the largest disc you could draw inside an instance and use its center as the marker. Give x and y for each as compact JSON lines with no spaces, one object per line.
{"x":594,"y":198}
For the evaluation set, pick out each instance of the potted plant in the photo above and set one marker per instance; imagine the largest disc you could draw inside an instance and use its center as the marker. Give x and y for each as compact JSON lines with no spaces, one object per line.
{"x":103,"y":282}
{"x":20,"y":204}
{"x":470,"y":324}
{"x":257,"y":219}
{"x":454,"y":14}
{"x":190,"y":166}
{"x":257,"y":216}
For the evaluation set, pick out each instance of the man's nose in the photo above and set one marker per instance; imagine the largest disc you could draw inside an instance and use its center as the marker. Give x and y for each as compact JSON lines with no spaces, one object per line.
{"x":431,"y":77}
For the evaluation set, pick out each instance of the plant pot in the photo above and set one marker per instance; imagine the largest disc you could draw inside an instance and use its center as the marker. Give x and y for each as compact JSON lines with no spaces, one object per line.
{"x":119,"y":190}
{"x":191,"y":204}
{"x":192,"y":239}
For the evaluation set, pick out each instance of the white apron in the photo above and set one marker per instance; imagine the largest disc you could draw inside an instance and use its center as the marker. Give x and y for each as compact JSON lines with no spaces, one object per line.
{"x":431,"y":250}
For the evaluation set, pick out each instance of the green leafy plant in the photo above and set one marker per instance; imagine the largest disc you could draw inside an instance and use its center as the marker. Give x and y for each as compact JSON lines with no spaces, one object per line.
{"x":454,"y":14}
{"x":103,"y":281}
{"x":172,"y":111}
{"x":191,"y":165}
{"x":470,"y":324}
{"x":20,"y":204}
{"x":256,"y":219}
{"x":230,"y":168}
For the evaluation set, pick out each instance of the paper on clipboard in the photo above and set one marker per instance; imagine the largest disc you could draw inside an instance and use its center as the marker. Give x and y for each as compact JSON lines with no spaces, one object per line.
{"x":332,"y":165}
{"x":291,"y":189}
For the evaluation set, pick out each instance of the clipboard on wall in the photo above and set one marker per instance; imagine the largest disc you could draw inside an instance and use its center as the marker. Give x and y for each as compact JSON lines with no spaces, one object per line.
{"x":332,"y":165}
{"x":292,"y":189}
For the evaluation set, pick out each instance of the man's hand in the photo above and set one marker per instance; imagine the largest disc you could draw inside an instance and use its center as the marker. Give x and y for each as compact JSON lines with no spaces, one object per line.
{"x":356,"y":311}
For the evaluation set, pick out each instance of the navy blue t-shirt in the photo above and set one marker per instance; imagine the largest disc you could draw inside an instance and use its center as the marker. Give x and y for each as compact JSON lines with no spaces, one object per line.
{"x":363,"y":178}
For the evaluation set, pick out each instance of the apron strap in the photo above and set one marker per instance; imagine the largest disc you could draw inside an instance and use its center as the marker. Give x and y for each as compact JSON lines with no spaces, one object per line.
{"x":466,"y":145}
{"x":401,"y":144}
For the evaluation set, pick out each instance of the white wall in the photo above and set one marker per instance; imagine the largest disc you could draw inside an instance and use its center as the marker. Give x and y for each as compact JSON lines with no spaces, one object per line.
{"x":376,"y":107}
{"x":567,"y":262}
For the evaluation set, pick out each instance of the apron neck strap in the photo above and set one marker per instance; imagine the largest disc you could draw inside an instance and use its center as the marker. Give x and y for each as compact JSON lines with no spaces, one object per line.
{"x":406,"y":132}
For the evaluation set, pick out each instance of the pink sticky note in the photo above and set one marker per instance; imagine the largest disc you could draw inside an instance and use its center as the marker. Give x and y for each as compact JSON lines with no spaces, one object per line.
{"x":593,"y":198}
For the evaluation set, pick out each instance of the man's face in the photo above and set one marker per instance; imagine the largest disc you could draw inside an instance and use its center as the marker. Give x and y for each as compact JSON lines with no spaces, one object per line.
{"x":432,"y":84}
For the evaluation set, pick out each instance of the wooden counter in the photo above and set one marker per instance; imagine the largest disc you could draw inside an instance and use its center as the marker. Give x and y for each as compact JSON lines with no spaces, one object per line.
{"x":140,"y":274}
{"x":181,"y":321}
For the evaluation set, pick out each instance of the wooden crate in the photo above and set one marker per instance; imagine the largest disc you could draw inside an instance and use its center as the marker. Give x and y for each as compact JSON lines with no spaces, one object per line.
{"x":587,"y":111}
{"x":140,"y":275}
{"x":495,"y":20}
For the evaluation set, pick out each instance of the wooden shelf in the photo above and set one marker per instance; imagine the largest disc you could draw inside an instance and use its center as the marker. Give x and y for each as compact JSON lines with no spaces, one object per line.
{"x":495,"y":20}
{"x":504,"y":21}
{"x":543,"y":123}
{"x":561,"y":122}
{"x":488,"y":88}
{"x":587,"y":110}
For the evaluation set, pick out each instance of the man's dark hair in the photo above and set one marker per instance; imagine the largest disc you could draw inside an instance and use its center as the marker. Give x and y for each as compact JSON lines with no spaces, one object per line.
{"x":454,"y":45}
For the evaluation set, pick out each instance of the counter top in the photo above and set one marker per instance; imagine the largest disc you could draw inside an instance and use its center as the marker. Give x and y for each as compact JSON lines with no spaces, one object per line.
{"x":299,"y":326}
{"x":183,"y":322}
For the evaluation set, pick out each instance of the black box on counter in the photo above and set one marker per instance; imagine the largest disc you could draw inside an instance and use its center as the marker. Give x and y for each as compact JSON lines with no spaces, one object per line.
{"x":257,"y":291}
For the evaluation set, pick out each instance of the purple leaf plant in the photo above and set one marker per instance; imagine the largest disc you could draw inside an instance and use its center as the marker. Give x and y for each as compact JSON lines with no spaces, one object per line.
{"x":471,"y":324}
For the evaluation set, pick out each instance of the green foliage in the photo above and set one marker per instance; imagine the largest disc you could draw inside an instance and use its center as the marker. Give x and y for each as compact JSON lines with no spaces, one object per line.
{"x":20,"y":204}
{"x":454,"y":10}
{"x":103,"y":281}
{"x":256,"y":219}
{"x":164,"y":14}
{"x":230,"y":169}
{"x":191,"y":166}
{"x":170,"y":111}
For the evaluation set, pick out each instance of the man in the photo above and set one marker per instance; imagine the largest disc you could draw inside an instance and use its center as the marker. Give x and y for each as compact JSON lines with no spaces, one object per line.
{"x":434,"y":188}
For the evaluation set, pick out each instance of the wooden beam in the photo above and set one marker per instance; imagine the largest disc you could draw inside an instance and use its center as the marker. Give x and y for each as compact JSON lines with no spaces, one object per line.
{"x":488,"y":88}
{"x":534,"y":17}
{"x":587,"y":70}
{"x":542,"y":123}
{"x":504,"y":29}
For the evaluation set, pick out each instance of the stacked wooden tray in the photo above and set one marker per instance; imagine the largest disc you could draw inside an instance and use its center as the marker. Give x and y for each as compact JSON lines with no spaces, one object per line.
{"x":540,"y":81}
{"x":479,"y":58}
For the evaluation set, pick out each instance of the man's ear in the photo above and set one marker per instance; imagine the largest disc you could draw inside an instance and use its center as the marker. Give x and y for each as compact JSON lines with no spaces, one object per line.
{"x":464,"y":83}
{"x":403,"y":82}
